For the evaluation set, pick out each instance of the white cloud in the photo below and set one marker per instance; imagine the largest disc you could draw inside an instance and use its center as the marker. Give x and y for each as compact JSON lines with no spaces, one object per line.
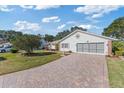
{"x":61,"y":26}
{"x":58,"y":20}
{"x":51,"y":19}
{"x":96,"y":11}
{"x":89,"y":26}
{"x":86,"y":26}
{"x":39,"y":7}
{"x":26,"y":27}
{"x":71,"y":22}
{"x":27,"y":6}
{"x":67,"y":23}
{"x":5,"y":8}
{"x":43,"y":7}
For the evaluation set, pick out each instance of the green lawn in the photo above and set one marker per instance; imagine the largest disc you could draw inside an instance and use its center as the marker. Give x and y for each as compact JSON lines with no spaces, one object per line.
{"x":116,"y":72}
{"x":17,"y":62}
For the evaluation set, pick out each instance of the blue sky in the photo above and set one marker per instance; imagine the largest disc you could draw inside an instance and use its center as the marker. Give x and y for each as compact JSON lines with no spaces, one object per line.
{"x":36,"y":19}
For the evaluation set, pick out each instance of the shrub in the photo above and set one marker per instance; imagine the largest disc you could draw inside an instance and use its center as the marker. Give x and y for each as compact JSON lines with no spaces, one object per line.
{"x":2,"y":58}
{"x":119,"y":53}
{"x":69,"y":51}
{"x":123,"y":53}
{"x":13,"y":50}
{"x":117,"y":46}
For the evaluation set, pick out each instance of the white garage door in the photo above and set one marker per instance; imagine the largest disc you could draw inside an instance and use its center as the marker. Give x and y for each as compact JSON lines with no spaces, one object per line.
{"x":91,"y":47}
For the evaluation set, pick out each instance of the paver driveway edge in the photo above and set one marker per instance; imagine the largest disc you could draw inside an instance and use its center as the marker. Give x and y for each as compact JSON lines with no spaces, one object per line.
{"x":73,"y":71}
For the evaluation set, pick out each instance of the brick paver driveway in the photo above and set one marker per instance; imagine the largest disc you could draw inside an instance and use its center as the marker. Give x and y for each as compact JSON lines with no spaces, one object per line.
{"x":75,"y":70}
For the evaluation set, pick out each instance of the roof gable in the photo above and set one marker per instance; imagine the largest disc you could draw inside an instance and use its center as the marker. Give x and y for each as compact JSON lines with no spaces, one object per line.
{"x":85,"y":32}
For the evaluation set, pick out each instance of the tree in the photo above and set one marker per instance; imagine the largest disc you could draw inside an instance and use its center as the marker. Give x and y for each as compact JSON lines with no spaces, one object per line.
{"x":115,"y":29}
{"x":12,"y":34}
{"x":61,"y":35}
{"x":9,"y":34}
{"x":49,"y":38}
{"x":77,"y":28}
{"x":26,"y":42}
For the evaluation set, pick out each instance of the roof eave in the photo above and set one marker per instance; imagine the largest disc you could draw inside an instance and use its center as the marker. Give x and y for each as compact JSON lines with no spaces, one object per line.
{"x":108,"y":38}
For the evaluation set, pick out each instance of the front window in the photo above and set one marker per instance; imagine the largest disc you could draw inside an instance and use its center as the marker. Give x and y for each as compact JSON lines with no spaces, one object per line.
{"x":65,"y":45}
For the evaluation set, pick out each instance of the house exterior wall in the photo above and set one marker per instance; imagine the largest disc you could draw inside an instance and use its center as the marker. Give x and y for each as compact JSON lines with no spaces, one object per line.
{"x":53,"y":46}
{"x":83,"y":38}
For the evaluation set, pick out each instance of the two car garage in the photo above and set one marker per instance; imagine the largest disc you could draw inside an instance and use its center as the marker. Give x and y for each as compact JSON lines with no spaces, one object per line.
{"x":90,"y":47}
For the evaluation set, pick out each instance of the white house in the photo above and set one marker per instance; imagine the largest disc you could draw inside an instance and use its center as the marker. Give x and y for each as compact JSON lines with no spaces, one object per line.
{"x":53,"y":45}
{"x":85,"y":42}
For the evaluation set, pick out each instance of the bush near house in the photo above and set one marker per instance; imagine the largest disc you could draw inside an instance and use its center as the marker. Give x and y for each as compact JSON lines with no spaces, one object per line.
{"x":14,"y":50}
{"x":119,"y":53}
{"x":118,"y":48}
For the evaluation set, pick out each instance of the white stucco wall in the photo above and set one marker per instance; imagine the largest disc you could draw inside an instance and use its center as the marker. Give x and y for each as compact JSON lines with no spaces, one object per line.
{"x":53,"y":46}
{"x":84,"y":38}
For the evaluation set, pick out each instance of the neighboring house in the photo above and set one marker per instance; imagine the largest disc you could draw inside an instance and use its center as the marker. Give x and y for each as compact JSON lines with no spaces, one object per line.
{"x":85,"y":42}
{"x":2,"y":41}
{"x":43,"y":44}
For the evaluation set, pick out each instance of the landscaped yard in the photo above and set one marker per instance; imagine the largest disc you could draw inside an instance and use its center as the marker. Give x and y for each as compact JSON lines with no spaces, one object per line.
{"x":116,"y":72}
{"x":12,"y":62}
{"x":17,"y":62}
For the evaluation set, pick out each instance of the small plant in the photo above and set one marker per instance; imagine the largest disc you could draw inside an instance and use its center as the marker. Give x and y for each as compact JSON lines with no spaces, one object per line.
{"x":14,"y":50}
{"x":123,"y":53}
{"x":119,"y":53}
{"x":69,"y":51}
{"x":2,"y":58}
